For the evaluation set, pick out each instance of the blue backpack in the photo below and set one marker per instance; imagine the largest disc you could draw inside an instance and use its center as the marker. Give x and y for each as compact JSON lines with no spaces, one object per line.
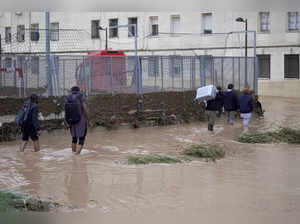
{"x":23,"y":114}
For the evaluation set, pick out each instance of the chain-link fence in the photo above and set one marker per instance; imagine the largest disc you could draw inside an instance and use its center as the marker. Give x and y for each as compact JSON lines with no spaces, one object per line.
{"x":21,"y":75}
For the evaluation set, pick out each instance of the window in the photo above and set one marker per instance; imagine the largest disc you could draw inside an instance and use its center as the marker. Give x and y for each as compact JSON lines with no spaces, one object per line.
{"x":131,"y":32}
{"x":264,"y":66}
{"x":8,"y":34}
{"x":20,"y":33}
{"x":207,"y":23}
{"x":291,"y":66}
{"x":154,"y":25}
{"x":264,"y":18}
{"x":35,"y":65}
{"x":34,"y":32}
{"x":8,"y":63}
{"x":113,"y":29}
{"x":175,"y":66}
{"x":95,"y":29}
{"x":293,"y":21}
{"x":54,"y":31}
{"x":153,"y":66}
{"x":175,"y":24}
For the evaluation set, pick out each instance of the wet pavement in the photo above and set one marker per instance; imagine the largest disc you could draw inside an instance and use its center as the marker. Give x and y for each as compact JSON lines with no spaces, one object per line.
{"x":252,"y":184}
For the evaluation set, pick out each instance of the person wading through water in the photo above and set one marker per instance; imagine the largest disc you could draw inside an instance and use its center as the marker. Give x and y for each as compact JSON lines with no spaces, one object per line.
{"x":213,"y":106}
{"x":246,"y":107}
{"x":76,"y":116}
{"x":231,"y":104}
{"x":27,"y":120}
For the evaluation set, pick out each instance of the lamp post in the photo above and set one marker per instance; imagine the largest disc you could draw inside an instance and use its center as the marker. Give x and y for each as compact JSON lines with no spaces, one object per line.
{"x":241,"y":20}
{"x":101,"y":28}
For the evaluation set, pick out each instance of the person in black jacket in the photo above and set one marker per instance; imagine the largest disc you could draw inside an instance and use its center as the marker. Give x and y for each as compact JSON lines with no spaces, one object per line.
{"x":231,"y":104}
{"x":31,"y":127}
{"x":213,"y":106}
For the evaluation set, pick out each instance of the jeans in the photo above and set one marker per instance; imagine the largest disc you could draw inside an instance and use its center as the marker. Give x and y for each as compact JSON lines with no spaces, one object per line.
{"x":230,"y":116}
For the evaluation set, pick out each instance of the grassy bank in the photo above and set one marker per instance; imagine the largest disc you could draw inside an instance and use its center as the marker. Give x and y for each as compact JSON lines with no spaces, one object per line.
{"x":287,"y":135}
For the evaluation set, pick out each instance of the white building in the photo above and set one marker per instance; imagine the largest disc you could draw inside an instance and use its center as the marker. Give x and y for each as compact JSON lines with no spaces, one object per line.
{"x":164,"y":33}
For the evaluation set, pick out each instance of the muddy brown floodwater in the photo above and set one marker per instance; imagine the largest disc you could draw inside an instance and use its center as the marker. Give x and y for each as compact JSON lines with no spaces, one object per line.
{"x":252,"y":184}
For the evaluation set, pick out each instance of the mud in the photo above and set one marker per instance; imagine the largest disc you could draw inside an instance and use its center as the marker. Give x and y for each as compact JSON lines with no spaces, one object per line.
{"x":112,"y":111}
{"x":252,"y":184}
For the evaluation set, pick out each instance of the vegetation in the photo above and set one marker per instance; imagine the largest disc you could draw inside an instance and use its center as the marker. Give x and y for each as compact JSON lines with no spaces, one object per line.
{"x":146,"y":159}
{"x":7,"y":199}
{"x":205,"y":151}
{"x":287,"y":135}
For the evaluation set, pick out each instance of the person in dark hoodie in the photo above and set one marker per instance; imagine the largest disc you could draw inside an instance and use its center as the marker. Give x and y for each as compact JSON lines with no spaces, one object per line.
{"x":213,"y":106}
{"x":31,"y":127}
{"x":246,"y":107}
{"x":231,"y":104}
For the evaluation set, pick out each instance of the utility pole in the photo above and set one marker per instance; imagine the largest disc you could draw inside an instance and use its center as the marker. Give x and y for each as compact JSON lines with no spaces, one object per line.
{"x":49,"y":78}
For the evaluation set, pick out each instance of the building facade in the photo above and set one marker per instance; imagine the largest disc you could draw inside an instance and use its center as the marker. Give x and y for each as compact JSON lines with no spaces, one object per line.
{"x":277,"y":39}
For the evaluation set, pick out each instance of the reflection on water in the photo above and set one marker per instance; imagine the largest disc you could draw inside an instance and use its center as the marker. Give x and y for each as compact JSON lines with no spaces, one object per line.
{"x":253,"y":184}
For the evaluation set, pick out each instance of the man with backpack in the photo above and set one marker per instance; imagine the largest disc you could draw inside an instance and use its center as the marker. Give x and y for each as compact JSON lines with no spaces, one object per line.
{"x":76,"y":117}
{"x":27,"y":121}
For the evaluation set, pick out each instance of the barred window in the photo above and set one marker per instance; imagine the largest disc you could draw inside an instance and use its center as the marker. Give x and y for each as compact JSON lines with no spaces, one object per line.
{"x":34,"y":32}
{"x":291,"y":66}
{"x":20,"y":33}
{"x":293,"y":21}
{"x":264,"y":21}
{"x":154,"y":25}
{"x":95,"y":29}
{"x":113,"y":29}
{"x":153,"y":66}
{"x":207,"y":23}
{"x":131,"y":32}
{"x":8,"y":34}
{"x":35,"y":65}
{"x":54,"y":32}
{"x":264,"y":66}
{"x":175,"y":66}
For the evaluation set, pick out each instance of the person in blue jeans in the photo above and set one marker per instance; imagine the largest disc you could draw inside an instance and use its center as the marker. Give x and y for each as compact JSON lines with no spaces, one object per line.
{"x":31,"y":128}
{"x":231,"y":104}
{"x":246,"y":107}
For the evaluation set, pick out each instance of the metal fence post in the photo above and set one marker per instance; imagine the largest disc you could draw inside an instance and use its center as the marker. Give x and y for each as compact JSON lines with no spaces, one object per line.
{"x":155,"y":69}
{"x":202,"y":70}
{"x":64,"y":77}
{"x":182,"y":80}
{"x":222,"y":71}
{"x":239,"y":73}
{"x":255,"y":66}
{"x":233,"y":71}
{"x":111,"y":75}
{"x":91,"y":75}
{"x":162,"y":72}
{"x":192,"y":70}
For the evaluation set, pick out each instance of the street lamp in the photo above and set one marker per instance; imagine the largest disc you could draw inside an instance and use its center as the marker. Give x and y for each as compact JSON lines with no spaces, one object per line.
{"x":101,"y":28}
{"x":241,"y":20}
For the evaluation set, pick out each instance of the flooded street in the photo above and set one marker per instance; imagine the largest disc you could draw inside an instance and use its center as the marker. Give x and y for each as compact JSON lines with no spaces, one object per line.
{"x":252,"y":184}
